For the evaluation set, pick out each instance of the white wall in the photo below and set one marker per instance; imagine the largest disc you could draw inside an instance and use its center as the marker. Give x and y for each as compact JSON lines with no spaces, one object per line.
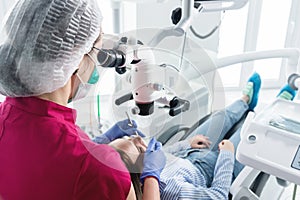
{"x":158,"y":15}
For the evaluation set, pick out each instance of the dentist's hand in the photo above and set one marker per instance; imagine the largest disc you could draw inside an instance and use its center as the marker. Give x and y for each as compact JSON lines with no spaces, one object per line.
{"x":154,"y":161}
{"x":121,"y":129}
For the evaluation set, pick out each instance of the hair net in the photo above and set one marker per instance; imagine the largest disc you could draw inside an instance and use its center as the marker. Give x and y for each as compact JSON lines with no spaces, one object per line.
{"x":45,"y":40}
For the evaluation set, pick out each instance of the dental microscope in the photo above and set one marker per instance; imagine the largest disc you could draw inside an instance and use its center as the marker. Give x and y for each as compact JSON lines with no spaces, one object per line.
{"x":144,"y":77}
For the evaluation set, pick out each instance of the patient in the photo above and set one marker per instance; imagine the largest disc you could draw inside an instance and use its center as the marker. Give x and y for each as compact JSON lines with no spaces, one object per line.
{"x":203,"y":166}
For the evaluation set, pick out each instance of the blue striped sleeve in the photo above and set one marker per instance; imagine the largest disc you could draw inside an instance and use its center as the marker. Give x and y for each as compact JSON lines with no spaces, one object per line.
{"x":220,"y":185}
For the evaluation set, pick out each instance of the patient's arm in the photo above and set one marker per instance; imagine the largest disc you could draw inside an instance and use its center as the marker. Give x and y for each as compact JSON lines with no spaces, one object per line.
{"x":176,"y":147}
{"x":196,"y":142}
{"x":221,"y":182}
{"x":223,"y":171}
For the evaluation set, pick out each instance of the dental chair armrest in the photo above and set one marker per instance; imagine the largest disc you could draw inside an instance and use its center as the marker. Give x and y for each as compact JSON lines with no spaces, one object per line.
{"x":170,"y":133}
{"x":243,"y":182}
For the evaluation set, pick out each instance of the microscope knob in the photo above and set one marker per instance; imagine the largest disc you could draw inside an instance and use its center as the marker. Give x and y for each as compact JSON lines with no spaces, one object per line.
{"x":135,"y":110}
{"x":176,"y":15}
{"x":124,"y":40}
{"x":121,"y":70}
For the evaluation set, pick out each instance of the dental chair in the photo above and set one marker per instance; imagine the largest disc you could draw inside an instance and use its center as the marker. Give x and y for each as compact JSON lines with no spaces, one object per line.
{"x":251,"y":184}
{"x":181,"y":132}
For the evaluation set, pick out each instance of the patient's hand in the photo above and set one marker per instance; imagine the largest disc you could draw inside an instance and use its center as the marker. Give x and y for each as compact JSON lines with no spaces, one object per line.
{"x":200,"y":142}
{"x":226,"y":145}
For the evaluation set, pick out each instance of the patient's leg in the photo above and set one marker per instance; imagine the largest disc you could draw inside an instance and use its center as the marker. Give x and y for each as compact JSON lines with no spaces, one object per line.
{"x":220,"y":123}
{"x":286,"y":93}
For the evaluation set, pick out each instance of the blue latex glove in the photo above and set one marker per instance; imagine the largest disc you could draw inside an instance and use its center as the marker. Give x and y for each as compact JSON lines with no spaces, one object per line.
{"x":154,"y":161}
{"x":119,"y":130}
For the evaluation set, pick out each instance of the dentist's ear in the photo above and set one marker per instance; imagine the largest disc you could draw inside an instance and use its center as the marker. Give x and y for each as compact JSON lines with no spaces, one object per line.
{"x":72,"y":85}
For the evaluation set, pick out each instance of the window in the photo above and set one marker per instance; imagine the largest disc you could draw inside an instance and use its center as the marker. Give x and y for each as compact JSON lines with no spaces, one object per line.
{"x":232,"y":36}
{"x":264,"y":28}
{"x":272,"y":35}
{"x":106,"y":9}
{"x":127,"y":12}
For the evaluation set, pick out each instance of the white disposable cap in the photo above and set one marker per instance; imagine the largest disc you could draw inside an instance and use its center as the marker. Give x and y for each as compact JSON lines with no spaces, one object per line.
{"x":45,"y":40}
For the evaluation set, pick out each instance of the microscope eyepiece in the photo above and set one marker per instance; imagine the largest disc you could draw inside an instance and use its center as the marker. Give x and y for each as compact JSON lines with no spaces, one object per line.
{"x":111,"y":58}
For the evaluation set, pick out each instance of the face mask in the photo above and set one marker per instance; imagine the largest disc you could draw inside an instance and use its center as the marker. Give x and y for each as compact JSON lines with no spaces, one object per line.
{"x":84,"y":88}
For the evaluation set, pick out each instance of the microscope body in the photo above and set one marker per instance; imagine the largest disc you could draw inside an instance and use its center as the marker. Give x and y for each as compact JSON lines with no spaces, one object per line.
{"x":146,"y":77}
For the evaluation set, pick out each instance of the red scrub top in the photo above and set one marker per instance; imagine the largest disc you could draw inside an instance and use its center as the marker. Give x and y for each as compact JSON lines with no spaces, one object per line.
{"x":44,"y":155}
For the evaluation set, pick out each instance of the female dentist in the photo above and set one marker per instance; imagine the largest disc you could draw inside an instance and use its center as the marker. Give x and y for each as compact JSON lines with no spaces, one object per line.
{"x":47,"y":60}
